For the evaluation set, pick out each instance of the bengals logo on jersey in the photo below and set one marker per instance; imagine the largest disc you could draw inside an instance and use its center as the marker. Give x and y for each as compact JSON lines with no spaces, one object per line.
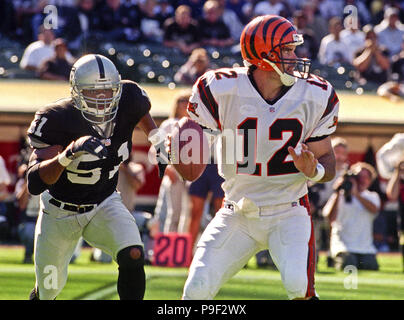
{"x":192,"y":108}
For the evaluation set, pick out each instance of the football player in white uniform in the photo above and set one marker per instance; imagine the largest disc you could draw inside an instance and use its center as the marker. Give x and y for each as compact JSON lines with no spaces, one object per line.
{"x":281,"y":118}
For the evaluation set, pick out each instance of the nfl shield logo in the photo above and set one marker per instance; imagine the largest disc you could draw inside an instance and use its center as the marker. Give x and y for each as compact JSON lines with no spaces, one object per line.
{"x":271,"y":109}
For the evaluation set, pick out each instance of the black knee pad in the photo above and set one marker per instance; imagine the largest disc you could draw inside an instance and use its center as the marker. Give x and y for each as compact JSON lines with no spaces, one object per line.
{"x":131,"y":257}
{"x":132,"y":279}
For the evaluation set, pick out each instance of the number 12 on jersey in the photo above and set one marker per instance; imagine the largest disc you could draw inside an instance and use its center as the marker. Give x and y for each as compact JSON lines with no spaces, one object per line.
{"x":276,"y":165}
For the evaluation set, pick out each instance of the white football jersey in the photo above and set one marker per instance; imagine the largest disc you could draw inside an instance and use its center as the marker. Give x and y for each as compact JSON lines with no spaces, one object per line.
{"x":255,"y":133}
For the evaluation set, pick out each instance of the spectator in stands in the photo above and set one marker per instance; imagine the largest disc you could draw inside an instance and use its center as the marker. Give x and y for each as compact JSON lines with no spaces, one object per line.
{"x":57,"y":67}
{"x":329,"y":8}
{"x":351,"y":211}
{"x":208,"y":185}
{"x":28,"y":206}
{"x":85,"y":22}
{"x":166,"y":10}
{"x":151,"y":24}
{"x":118,"y":22}
{"x":390,"y":31}
{"x":372,"y":62}
{"x":198,"y":63}
{"x":172,"y":204}
{"x":323,"y":192}
{"x":24,"y":12}
{"x":362,"y":10}
{"x":132,"y":177}
{"x":315,"y":22}
{"x":195,"y":5}
{"x":181,"y":31}
{"x":309,"y":49}
{"x":5,"y":181}
{"x":7,"y":18}
{"x":333,"y":8}
{"x":353,"y":37}
{"x":38,"y":19}
{"x":237,"y":6}
{"x":397,"y":66}
{"x":214,"y":32}
{"x":332,"y":49}
{"x":231,"y":20}
{"x":394,"y":88}
{"x":275,"y":7}
{"x":39,"y":51}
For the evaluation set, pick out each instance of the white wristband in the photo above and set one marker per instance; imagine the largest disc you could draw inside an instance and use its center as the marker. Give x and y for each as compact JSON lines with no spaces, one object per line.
{"x":63,"y":160}
{"x":320,"y":173}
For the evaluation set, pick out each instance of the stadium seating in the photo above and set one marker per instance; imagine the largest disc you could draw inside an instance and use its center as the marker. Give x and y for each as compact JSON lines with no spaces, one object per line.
{"x":155,"y":64}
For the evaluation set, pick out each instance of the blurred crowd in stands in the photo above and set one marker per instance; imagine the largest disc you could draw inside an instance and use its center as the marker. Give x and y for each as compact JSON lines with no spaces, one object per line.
{"x":362,"y":36}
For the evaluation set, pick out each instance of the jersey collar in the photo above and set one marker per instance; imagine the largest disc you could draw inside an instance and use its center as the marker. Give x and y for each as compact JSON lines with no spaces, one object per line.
{"x":283,"y":91}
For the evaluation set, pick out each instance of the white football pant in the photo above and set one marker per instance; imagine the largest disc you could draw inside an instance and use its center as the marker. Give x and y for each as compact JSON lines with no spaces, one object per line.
{"x":232,"y":238}
{"x":109,"y":227}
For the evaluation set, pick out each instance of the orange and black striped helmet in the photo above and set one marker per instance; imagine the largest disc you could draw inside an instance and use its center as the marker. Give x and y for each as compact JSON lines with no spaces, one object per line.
{"x":262,"y":39}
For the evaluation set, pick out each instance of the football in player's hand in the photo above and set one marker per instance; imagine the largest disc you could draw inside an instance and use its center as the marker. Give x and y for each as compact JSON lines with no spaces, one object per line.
{"x":189,"y":149}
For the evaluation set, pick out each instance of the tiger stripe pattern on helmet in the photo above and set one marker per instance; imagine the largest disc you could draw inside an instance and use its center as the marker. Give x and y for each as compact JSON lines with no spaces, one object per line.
{"x":263,"y":38}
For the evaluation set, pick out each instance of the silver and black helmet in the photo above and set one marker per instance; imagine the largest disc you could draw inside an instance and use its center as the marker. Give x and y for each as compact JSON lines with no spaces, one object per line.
{"x":95,"y":72}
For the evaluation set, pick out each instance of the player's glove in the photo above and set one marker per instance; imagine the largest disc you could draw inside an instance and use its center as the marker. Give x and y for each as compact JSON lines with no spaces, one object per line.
{"x":83,"y":145}
{"x":162,"y":157}
{"x":157,"y":139}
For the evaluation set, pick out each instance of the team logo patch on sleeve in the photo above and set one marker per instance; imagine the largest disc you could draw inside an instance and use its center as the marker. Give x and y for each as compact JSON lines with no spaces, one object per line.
{"x":334,"y":123}
{"x":192,"y":108}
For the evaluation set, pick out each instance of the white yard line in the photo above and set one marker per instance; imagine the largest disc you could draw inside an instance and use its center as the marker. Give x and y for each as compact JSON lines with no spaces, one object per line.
{"x":99,"y":294}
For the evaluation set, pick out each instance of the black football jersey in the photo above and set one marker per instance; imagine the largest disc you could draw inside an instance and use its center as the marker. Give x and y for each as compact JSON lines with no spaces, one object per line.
{"x":89,"y":180}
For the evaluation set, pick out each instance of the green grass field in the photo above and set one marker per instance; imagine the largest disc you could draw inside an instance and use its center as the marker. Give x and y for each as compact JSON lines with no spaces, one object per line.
{"x":93,"y":281}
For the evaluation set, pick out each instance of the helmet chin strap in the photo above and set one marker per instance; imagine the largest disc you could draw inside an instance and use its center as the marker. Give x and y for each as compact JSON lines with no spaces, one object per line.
{"x":286,"y":79}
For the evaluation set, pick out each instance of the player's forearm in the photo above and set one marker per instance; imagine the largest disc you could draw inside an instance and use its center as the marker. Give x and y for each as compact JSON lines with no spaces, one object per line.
{"x":392,"y":190}
{"x":147,"y":124}
{"x":44,"y":169}
{"x":42,"y":174}
{"x":50,"y":171}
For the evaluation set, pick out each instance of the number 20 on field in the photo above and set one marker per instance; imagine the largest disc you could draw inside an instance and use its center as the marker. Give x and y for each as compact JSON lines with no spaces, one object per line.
{"x":172,"y":250}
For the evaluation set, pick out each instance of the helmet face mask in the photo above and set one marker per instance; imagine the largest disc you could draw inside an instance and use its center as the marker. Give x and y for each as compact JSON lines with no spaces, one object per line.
{"x":96,"y":88}
{"x":262,"y":44}
{"x":296,"y":67}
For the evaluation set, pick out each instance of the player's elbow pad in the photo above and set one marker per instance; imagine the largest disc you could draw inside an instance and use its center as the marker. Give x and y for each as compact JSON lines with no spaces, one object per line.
{"x":35,"y":184}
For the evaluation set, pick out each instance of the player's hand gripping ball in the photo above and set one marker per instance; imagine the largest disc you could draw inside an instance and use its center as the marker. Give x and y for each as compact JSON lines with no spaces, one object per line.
{"x":86,"y":144}
{"x":189,"y":149}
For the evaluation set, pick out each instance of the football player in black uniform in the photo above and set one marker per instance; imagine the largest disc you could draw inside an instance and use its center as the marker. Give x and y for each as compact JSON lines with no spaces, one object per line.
{"x":79,"y":143}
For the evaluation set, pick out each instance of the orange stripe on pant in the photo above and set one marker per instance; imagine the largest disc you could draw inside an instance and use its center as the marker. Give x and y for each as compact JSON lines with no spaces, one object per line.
{"x":311,"y":257}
